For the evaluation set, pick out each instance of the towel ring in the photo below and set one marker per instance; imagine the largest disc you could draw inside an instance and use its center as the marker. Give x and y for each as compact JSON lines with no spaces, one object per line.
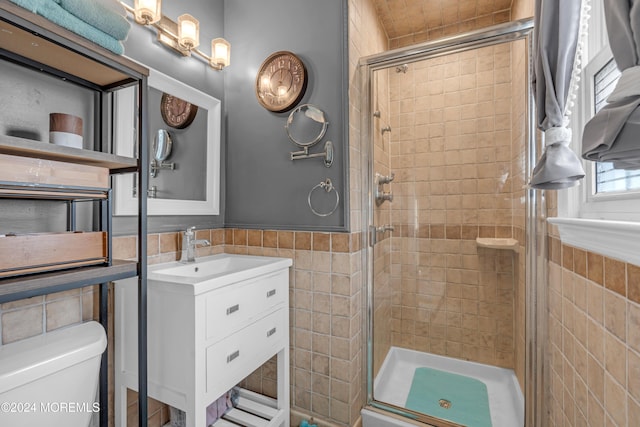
{"x":327,"y":186}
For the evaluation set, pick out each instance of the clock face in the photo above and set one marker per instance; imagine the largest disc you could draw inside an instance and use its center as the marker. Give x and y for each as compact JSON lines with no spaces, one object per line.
{"x":177,"y":112}
{"x":281,"y":82}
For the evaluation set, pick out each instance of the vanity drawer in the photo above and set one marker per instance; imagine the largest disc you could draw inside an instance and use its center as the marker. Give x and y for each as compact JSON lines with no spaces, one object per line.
{"x":234,"y":307}
{"x":229,"y":360}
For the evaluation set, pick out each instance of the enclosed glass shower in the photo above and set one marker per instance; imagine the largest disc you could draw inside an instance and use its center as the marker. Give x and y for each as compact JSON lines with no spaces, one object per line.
{"x":452,"y":230}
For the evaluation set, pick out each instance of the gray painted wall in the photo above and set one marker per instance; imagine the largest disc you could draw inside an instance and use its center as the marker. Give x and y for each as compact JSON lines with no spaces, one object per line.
{"x":261,"y":187}
{"x":264,"y":188}
{"x":141,"y":46}
{"x":28,"y":97}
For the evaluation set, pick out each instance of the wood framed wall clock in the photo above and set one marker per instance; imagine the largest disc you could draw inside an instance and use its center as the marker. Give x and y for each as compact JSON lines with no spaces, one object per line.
{"x":281,"y":81}
{"x":177,"y":112}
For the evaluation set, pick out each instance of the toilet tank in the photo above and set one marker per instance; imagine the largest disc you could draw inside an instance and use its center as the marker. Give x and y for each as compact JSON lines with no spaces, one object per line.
{"x":52,"y":379}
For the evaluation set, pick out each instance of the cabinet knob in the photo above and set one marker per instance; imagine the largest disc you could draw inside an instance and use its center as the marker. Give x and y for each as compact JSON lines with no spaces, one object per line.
{"x":233,"y":309}
{"x":271,"y":293}
{"x":271,"y":332}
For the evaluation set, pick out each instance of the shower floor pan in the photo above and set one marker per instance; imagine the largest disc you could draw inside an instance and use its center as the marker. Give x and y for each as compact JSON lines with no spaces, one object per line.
{"x":393,"y":382}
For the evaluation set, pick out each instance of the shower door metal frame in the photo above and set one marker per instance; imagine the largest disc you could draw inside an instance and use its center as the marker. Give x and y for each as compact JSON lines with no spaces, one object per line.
{"x":535,"y":223}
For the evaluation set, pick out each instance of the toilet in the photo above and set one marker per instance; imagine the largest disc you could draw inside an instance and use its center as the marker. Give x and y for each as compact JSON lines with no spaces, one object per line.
{"x":51,"y":380}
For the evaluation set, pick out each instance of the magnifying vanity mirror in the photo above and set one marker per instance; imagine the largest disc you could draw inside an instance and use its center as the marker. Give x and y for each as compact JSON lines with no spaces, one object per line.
{"x":160,"y":151}
{"x":184,"y":125}
{"x":305,"y":127}
{"x":162,"y":145}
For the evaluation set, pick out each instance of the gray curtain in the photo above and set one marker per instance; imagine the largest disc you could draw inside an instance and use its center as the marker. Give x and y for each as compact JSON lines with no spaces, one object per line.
{"x":556,"y":35}
{"x":613,"y":135}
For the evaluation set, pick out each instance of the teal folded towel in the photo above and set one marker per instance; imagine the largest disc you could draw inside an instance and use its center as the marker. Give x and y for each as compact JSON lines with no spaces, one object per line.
{"x":97,"y":15}
{"x":113,"y":5}
{"x":50,"y":10}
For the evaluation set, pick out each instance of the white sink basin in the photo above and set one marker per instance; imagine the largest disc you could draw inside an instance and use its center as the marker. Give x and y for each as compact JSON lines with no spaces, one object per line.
{"x":214,"y":271}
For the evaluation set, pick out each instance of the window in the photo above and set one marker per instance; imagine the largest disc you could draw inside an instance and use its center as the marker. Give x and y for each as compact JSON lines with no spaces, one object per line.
{"x":607,"y":178}
{"x":602,"y":214}
{"x":605,"y":193}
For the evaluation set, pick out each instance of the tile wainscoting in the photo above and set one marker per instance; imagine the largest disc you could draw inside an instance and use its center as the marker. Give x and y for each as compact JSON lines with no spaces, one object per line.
{"x":594,"y":334}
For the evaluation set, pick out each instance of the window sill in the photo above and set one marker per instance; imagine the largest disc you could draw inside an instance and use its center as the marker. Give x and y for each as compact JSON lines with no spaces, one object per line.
{"x":616,"y":239}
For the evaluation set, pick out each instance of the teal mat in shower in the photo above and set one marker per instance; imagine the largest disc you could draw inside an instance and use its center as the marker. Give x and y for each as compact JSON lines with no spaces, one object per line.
{"x":432,"y":389}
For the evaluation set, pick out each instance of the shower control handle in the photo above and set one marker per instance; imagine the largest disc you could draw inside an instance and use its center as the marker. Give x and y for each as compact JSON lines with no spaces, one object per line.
{"x":382,"y":196}
{"x":385,"y":179}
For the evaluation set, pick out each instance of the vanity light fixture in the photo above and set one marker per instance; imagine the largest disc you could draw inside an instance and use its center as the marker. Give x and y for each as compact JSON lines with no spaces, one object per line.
{"x":182,"y":36}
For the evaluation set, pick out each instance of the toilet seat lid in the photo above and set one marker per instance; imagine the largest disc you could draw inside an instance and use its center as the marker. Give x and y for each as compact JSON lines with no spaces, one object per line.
{"x":28,"y":360}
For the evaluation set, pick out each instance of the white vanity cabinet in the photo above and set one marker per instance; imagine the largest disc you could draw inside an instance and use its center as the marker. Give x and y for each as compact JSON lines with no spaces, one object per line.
{"x":210,"y":324}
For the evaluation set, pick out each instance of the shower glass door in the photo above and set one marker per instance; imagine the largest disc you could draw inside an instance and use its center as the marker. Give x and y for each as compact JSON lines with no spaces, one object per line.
{"x":448,"y":165}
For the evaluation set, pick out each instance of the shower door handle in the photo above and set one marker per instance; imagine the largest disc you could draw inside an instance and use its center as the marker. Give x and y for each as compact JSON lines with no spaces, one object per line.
{"x":373,"y":232}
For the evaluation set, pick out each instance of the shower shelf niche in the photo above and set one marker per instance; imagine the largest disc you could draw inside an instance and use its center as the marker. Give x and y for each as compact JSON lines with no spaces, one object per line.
{"x":497,"y":243}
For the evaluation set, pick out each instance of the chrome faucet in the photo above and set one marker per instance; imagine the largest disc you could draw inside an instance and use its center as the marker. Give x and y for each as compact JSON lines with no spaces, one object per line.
{"x":189,"y":244}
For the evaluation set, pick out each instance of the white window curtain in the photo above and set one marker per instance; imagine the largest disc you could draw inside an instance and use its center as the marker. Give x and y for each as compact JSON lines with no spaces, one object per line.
{"x":613,"y":134}
{"x":559,"y":30}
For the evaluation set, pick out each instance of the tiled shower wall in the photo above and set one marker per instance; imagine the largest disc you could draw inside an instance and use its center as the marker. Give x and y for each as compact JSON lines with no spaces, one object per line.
{"x":451,"y":140}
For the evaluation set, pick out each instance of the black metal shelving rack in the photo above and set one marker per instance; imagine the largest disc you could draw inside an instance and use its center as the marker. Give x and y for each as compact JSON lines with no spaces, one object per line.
{"x":31,"y":41}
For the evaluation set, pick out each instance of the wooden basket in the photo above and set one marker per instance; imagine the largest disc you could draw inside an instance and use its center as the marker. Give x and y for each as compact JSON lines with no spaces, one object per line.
{"x":34,"y":253}
{"x":51,"y":172}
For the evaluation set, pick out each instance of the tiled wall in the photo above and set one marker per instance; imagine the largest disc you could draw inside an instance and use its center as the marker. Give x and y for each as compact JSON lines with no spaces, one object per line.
{"x":594,"y":331}
{"x":521,"y":9}
{"x":451,"y":140}
{"x":443,"y":18}
{"x":450,"y":144}
{"x":326,"y":318}
{"x":34,"y":316}
{"x":366,"y":37}
{"x":452,"y":298}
